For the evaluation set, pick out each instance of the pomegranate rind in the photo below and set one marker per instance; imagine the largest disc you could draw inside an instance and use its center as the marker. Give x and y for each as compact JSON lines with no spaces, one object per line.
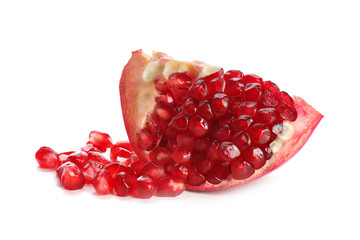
{"x":305,"y":124}
{"x":137,"y":99}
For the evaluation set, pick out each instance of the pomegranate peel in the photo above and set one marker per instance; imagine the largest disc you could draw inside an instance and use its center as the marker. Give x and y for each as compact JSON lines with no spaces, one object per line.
{"x":145,"y":77}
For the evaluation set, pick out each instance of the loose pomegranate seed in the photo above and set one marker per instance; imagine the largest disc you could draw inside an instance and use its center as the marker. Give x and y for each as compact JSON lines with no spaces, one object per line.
{"x":152,"y":170}
{"x":63,"y":157}
{"x":47,"y":158}
{"x":124,"y":184}
{"x":228,"y":151}
{"x":117,"y":153}
{"x":116,"y":168}
{"x":79,"y":158}
{"x":241,"y":170}
{"x":198,"y":126}
{"x":90,"y":147}
{"x":98,"y":157}
{"x":255,"y":157}
{"x":169,"y":187}
{"x":100,"y":140}
{"x":145,"y":187}
{"x":103,"y":183}
{"x":70,"y":176}
{"x":137,"y":167}
{"x":124,"y":144}
{"x":90,"y":170}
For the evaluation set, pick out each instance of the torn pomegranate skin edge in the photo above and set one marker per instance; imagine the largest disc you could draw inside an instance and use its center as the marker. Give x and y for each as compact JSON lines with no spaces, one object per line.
{"x":138,"y":92}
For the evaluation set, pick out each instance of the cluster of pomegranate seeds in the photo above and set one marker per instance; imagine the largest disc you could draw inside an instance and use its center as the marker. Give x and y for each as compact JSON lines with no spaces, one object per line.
{"x":215,"y":127}
{"x":124,"y":174}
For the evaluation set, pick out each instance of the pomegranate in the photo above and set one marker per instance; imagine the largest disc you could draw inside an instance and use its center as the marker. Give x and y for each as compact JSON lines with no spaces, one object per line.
{"x":224,"y":128}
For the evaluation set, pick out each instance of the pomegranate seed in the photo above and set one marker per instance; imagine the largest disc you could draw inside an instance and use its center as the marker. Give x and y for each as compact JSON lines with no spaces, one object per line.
{"x":228,"y":151}
{"x":166,"y":99}
{"x":241,"y":170}
{"x":103,"y":183}
{"x":70,"y":176}
{"x":116,"y":168}
{"x":196,"y":178}
{"x":272,"y":87}
{"x":212,"y":150}
{"x":137,"y":167}
{"x":285,"y":98}
{"x":217,"y":85}
{"x":204,"y":110}
{"x":219,"y":104}
{"x":124,"y":184}
{"x":47,"y":158}
{"x":277,"y":128}
{"x":266,"y":116}
{"x":79,"y":158}
{"x":259,"y":133}
{"x":221,"y":133}
{"x":268,"y":99}
{"x":63,"y":157}
{"x":145,"y":140}
{"x":169,"y":187}
{"x":185,"y":141}
{"x":247,"y":108}
{"x":90,"y":147}
{"x":233,"y":74}
{"x":199,"y":91}
{"x":286,"y":113}
{"x":100,"y":140}
{"x":182,"y":156}
{"x":214,"y":75}
{"x":163,"y":114}
{"x":91,"y":169}
{"x":267,"y":152}
{"x":201,"y":144}
{"x":152,"y":170}
{"x":160,"y":155}
{"x":190,"y":107}
{"x":205,"y":164}
{"x":179,"y":171}
{"x":252,"y":92}
{"x":98,"y":157}
{"x":145,"y":187}
{"x":234,"y":87}
{"x":178,"y":84}
{"x":255,"y":157}
{"x":218,"y":174}
{"x":160,"y":86}
{"x":179,"y":123}
{"x":242,"y":140}
{"x":252,"y":78}
{"x":118,"y":153}
{"x":241,"y":123}
{"x":198,"y":126}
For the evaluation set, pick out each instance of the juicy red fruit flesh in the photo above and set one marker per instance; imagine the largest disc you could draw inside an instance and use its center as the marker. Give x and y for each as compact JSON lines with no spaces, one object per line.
{"x":70,"y":176}
{"x":47,"y":158}
{"x":222,"y":127}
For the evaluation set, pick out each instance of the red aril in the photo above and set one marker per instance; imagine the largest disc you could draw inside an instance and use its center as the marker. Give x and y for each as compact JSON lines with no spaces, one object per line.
{"x":103,"y":183}
{"x":100,"y":140}
{"x":63,"y":157}
{"x":78,"y":158}
{"x":169,"y":187}
{"x":70,"y":176}
{"x":228,"y":128}
{"x":116,"y":168}
{"x":124,"y":184}
{"x":90,"y":170}
{"x":47,"y":158}
{"x":144,"y":187}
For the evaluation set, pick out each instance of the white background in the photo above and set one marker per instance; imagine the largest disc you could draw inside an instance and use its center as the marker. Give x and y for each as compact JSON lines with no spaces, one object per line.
{"x":60,"y":63}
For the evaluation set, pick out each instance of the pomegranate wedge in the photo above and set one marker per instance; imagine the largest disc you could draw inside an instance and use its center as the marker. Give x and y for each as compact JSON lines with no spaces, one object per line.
{"x":224,"y":128}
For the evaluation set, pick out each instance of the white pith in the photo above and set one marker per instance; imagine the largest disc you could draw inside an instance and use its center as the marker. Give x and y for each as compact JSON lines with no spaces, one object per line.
{"x":161,"y":66}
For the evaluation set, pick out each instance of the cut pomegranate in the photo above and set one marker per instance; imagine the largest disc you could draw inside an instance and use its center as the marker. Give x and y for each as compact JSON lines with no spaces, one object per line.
{"x":47,"y":158}
{"x":225,"y":129}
